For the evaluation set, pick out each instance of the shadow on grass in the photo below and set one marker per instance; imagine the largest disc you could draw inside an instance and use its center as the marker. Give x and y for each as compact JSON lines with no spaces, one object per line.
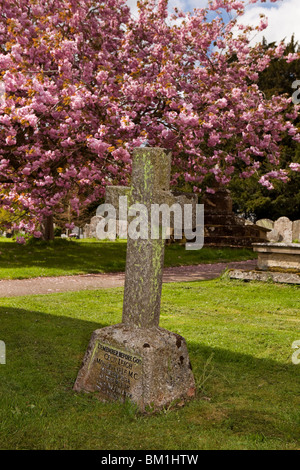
{"x":250,"y":398}
{"x":36,"y":339}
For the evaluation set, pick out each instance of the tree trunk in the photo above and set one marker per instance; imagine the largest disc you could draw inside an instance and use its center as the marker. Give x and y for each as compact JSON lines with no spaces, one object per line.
{"x":48,"y":228}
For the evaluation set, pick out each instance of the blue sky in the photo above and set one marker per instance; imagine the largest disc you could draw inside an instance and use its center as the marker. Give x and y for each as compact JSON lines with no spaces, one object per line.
{"x":283,"y":16}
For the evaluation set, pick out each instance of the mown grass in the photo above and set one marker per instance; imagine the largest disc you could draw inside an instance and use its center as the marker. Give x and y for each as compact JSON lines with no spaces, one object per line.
{"x":62,"y":257}
{"x":239,"y":337}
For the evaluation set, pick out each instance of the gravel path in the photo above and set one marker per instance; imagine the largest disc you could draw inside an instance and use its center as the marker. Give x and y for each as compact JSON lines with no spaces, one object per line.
{"x":48,"y":285}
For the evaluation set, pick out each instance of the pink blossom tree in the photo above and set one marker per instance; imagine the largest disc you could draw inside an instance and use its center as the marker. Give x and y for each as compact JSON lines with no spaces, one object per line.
{"x":59,"y":61}
{"x":86,"y":83}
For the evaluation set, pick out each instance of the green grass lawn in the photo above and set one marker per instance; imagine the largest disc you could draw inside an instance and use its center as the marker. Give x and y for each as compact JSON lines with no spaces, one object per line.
{"x":239,"y":337}
{"x":62,"y":257}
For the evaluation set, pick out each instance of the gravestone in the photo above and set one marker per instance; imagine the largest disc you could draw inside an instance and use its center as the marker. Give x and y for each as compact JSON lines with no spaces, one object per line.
{"x":285,"y":229}
{"x":296,"y":230}
{"x":75,"y":233}
{"x":136,"y":359}
{"x":267,"y":223}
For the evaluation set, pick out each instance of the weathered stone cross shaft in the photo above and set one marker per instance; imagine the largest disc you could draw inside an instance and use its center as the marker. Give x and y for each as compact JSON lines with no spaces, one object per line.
{"x":150,"y":184}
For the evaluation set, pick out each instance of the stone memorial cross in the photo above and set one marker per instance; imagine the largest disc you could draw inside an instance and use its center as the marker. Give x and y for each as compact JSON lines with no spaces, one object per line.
{"x":137,"y":359}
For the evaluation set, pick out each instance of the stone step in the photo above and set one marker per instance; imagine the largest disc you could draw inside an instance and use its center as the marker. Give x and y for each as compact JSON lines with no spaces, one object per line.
{"x":232,"y":230}
{"x":222,"y":219}
{"x":231,"y":241}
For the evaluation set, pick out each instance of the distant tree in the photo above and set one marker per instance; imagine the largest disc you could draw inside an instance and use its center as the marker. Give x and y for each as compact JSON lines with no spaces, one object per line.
{"x":5,"y":219}
{"x":284,"y":200}
{"x":277,"y":79}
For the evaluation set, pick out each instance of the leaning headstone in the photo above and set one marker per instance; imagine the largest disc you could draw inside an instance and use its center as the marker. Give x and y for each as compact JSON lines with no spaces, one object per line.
{"x":136,"y":359}
{"x":285,"y":229}
{"x":296,"y":230}
{"x":267,"y":223}
{"x":273,"y":236}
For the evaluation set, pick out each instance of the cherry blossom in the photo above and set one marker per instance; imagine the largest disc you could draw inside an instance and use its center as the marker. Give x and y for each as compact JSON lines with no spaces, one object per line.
{"x":86,"y":83}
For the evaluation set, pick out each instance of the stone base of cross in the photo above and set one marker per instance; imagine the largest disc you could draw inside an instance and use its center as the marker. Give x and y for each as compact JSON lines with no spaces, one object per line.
{"x":136,"y":359}
{"x":148,"y":366}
